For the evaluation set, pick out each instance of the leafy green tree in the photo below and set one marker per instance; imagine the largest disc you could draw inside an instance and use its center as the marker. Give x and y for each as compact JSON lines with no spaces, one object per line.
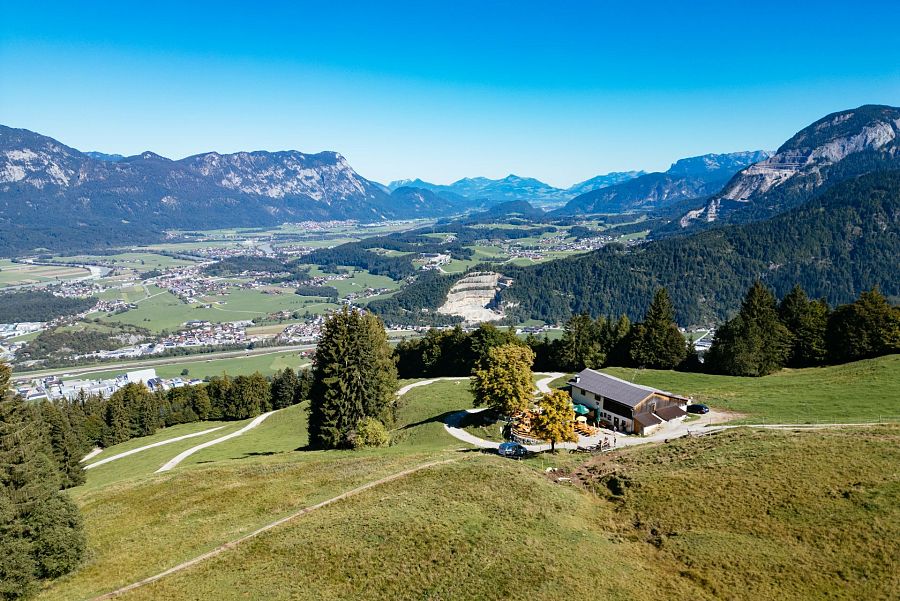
{"x":556,"y":419}
{"x":485,"y":337}
{"x":656,"y":342}
{"x":370,"y":433}
{"x":354,"y":377}
{"x":868,"y":327}
{"x":200,"y":402}
{"x":807,"y":321}
{"x":755,"y":342}
{"x":580,"y":346}
{"x":504,"y":381}
{"x":284,"y":388}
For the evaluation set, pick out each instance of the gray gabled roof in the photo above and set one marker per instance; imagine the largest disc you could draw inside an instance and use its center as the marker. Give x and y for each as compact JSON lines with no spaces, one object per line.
{"x":614,"y":388}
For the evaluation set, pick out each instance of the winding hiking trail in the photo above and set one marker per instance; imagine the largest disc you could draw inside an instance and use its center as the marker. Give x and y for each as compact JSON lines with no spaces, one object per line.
{"x":143,"y":448}
{"x":185,"y":454}
{"x":306,"y":510}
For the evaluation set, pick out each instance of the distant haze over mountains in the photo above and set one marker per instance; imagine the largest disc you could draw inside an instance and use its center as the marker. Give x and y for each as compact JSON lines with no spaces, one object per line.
{"x":514,"y":187}
{"x":693,"y":177}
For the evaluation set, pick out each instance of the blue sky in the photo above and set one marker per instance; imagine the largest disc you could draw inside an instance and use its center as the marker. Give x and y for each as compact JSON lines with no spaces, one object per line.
{"x":560,"y":91}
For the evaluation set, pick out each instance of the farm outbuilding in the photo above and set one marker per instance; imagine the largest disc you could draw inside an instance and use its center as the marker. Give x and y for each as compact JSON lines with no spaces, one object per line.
{"x":625,"y":406}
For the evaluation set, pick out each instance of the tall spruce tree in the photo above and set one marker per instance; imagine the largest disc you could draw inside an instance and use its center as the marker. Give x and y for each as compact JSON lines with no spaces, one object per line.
{"x":580,"y":345}
{"x":868,"y":327}
{"x":116,"y":422}
{"x":40,"y":529}
{"x":284,"y":388}
{"x":807,"y":321}
{"x":67,"y":449}
{"x":755,"y":342}
{"x":354,"y":377}
{"x":656,"y":342}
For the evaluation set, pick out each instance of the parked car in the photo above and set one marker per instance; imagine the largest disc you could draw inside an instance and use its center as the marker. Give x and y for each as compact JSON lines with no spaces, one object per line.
{"x":512,"y":449}
{"x":698,"y":408}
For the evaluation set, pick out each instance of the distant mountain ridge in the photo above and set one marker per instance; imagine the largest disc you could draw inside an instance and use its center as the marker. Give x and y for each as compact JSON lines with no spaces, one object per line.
{"x":694,"y":177}
{"x":51,"y":191}
{"x":837,"y":147}
{"x":514,"y":187}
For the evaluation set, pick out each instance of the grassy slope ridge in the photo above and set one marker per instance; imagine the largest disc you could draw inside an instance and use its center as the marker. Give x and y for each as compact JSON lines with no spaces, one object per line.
{"x":715,"y":517}
{"x":863,"y":391}
{"x":798,"y":515}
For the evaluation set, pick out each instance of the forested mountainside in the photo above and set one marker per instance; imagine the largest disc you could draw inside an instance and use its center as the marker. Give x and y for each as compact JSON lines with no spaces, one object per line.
{"x":838,"y":147}
{"x":845,"y":241}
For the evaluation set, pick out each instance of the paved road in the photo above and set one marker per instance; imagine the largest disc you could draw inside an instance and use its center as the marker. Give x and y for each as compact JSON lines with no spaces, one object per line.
{"x":143,"y":448}
{"x":185,"y":454}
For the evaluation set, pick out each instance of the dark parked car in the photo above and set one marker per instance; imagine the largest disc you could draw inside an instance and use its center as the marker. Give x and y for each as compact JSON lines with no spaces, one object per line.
{"x":698,"y":408}
{"x":512,"y":449}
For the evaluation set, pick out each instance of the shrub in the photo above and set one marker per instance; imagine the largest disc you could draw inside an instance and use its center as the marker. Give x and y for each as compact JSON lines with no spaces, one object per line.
{"x":370,"y":433}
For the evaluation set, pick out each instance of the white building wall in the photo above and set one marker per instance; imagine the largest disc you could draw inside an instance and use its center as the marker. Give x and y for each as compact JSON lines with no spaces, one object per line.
{"x":582,"y":397}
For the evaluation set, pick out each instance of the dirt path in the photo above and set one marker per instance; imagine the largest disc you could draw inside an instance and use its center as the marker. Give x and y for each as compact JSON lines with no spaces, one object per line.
{"x":94,"y":452}
{"x":146,"y":447}
{"x":306,"y":510}
{"x":185,"y":454}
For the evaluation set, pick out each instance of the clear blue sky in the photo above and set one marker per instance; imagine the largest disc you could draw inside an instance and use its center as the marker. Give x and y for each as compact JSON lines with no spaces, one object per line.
{"x":560,"y":91}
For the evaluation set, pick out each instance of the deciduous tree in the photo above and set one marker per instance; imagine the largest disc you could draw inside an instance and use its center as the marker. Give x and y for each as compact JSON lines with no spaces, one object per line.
{"x":504,"y":381}
{"x":556,"y":418}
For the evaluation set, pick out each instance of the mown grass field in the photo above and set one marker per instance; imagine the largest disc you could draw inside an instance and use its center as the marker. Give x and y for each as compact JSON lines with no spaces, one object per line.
{"x":165,"y":311}
{"x":200,"y":367}
{"x":855,"y":392}
{"x":745,"y":514}
{"x":15,"y":274}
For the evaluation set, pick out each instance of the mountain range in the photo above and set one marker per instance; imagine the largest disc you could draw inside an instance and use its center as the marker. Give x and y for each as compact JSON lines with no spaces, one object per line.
{"x":514,"y":187}
{"x":837,"y":147}
{"x":689,"y":178}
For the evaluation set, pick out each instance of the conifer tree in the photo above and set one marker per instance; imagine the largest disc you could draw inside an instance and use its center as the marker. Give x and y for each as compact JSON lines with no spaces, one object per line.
{"x":755,"y":342}
{"x":656,"y":342}
{"x":807,"y":321}
{"x":580,"y":345}
{"x":868,"y":327}
{"x":40,"y":529}
{"x":65,"y":444}
{"x":284,"y":388}
{"x":116,"y":422}
{"x":354,"y":377}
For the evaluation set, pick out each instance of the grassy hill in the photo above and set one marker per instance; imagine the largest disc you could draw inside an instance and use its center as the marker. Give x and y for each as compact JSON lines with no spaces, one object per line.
{"x":744,"y":514}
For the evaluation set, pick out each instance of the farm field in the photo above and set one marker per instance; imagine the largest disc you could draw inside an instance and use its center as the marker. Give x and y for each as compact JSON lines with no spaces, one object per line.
{"x":201,"y":366}
{"x":165,"y":311}
{"x":17,"y":274}
{"x":699,"y":518}
{"x":141,"y":260}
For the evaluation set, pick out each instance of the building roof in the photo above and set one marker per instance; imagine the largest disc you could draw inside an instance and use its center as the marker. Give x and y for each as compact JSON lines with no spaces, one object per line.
{"x":647,"y":419}
{"x":671,"y":412}
{"x":614,"y":388}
